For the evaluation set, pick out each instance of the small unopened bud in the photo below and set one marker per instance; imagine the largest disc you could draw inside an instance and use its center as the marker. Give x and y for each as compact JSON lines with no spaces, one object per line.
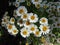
{"x":28,"y":3}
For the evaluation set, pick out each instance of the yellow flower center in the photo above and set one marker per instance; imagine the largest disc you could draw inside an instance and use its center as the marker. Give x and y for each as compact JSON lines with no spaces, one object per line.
{"x":9,"y":26}
{"x":27,"y":23}
{"x":32,"y":17}
{"x":37,"y":6}
{"x":45,"y":28}
{"x":36,"y":0}
{"x":25,"y":16}
{"x":58,"y":24}
{"x":14,"y":31}
{"x":20,"y":21}
{"x":5,"y":20}
{"x":29,"y":3}
{"x":37,"y":32}
{"x":21,"y":11}
{"x":16,"y":5}
{"x":43,"y":20}
{"x":32,"y":28}
{"x":25,"y":32}
{"x":12,"y":20}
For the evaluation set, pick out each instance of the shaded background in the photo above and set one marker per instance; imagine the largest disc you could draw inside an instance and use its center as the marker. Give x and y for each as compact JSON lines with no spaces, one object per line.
{"x":7,"y":39}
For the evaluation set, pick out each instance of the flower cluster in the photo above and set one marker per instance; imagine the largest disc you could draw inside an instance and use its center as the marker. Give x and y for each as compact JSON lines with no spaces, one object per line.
{"x":36,"y":20}
{"x":8,"y":23}
{"x":27,"y":20}
{"x":26,"y":23}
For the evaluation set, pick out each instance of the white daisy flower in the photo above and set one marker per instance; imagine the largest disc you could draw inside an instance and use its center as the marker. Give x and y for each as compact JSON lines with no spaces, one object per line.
{"x":20,"y":22}
{"x":54,"y":25}
{"x":14,"y":31}
{"x":21,"y":10}
{"x":10,"y":27}
{"x":25,"y":32}
{"x":28,"y":3}
{"x":36,"y":1}
{"x":24,"y":16}
{"x":32,"y":28}
{"x":51,"y":26}
{"x":17,"y":4}
{"x":45,"y":29}
{"x":43,"y":20}
{"x":37,"y":33}
{"x":4,"y":21}
{"x":33,"y":18}
{"x":27,"y":24}
{"x":49,"y":11}
{"x":37,"y":5}
{"x":12,"y":20}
